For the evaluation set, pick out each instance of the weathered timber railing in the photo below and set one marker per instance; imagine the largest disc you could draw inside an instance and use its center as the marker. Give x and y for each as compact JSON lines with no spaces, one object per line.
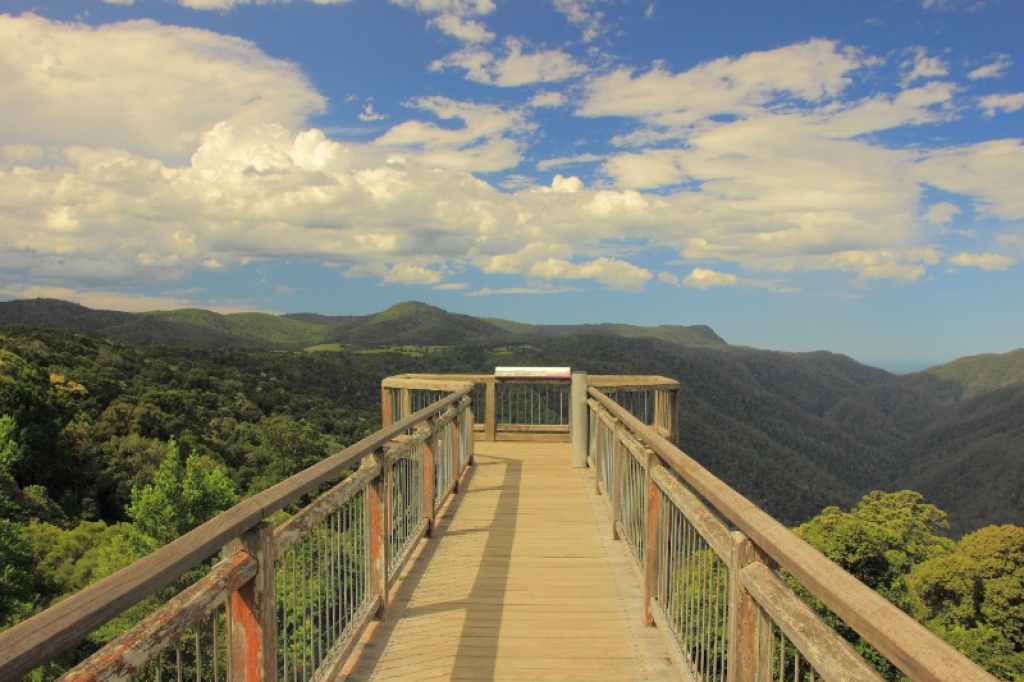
{"x":718,"y":592}
{"x":286,"y":601}
{"x":516,"y":408}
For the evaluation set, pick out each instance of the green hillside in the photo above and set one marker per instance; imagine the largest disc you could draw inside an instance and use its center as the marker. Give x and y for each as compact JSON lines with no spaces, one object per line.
{"x":980,"y":374}
{"x":414,"y":323}
{"x":698,"y":335}
{"x":405,"y":324}
{"x":48,"y":313}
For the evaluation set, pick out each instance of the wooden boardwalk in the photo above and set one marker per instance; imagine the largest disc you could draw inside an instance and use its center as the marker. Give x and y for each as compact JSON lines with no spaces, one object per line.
{"x":521,"y":582}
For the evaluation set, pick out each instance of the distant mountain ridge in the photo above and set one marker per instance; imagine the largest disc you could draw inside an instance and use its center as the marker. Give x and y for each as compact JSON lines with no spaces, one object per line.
{"x":409,"y":323}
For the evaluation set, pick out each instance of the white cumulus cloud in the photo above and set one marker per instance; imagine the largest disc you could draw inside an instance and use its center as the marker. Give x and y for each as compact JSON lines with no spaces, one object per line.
{"x":485,"y":142}
{"x":995,"y":69}
{"x":920,"y":66}
{"x":988,"y":172}
{"x":615,"y":274}
{"x":516,"y":67}
{"x":583,"y":15}
{"x":985,"y":261}
{"x":811,"y":72}
{"x":703,"y":278}
{"x":1007,"y":103}
{"x":465,"y":30}
{"x":138,"y":85}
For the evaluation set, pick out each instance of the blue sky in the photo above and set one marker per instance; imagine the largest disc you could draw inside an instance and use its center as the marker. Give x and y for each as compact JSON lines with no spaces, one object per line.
{"x":797,"y":175}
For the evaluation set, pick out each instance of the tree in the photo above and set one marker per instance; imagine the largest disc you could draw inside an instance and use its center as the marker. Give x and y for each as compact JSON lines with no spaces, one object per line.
{"x":17,"y":574}
{"x":72,"y":559}
{"x":974,"y":598}
{"x":183,"y":495}
{"x":285,"y":446}
{"x":10,"y":449}
{"x":881,"y":539}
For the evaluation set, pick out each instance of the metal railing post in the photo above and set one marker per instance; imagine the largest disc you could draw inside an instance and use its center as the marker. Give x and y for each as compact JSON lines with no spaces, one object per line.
{"x":578,"y":419}
{"x":252,"y":610}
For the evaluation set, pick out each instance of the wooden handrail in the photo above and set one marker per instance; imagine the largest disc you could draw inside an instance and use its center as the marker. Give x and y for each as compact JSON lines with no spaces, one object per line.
{"x":431,"y":384}
{"x":909,"y":645}
{"x":443,"y":381}
{"x":45,"y":635}
{"x":143,"y":642}
{"x":400,"y":387}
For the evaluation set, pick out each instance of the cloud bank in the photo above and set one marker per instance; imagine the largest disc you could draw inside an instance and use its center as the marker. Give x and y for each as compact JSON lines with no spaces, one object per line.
{"x":190,"y":151}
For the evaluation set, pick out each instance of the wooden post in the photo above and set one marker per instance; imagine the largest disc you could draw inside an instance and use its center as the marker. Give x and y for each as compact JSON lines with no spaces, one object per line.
{"x":386,"y":407}
{"x":750,"y":646}
{"x":490,"y":410}
{"x":666,"y":411}
{"x":252,"y":610}
{"x":377,"y":535}
{"x":406,"y":402}
{"x":672,"y":395}
{"x":651,"y":521}
{"x":429,"y":484}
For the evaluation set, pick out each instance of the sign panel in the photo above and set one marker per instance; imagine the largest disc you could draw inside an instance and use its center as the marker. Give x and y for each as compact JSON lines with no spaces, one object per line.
{"x":533,"y":372}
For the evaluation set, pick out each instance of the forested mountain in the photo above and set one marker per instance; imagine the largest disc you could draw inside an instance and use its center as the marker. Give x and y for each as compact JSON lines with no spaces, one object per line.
{"x":980,"y":374}
{"x":409,"y":323}
{"x":793,"y":431}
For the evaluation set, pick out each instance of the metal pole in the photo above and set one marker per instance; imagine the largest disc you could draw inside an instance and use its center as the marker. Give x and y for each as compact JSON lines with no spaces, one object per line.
{"x":578,"y":419}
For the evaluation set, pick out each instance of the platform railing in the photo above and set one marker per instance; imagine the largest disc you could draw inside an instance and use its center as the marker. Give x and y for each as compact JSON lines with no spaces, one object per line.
{"x":522,"y":408}
{"x":286,"y":601}
{"x":716,"y":569}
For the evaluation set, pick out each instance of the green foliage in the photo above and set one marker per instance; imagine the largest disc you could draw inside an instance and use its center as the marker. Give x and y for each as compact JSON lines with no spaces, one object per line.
{"x":10,"y":449}
{"x":283,"y":446}
{"x":18,"y":579}
{"x":75,"y":558}
{"x":982,"y":374}
{"x":17,"y":503}
{"x":970,"y":593}
{"x":974,"y":598}
{"x":27,"y":399}
{"x":184,"y":494}
{"x":881,"y":538}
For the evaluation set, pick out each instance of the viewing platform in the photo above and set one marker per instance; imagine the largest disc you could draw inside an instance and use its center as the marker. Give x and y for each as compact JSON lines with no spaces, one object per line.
{"x":516,"y":526}
{"x":522,"y":582}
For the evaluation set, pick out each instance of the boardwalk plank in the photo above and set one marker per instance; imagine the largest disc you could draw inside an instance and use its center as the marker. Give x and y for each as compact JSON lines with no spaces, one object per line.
{"x":519,"y":583}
